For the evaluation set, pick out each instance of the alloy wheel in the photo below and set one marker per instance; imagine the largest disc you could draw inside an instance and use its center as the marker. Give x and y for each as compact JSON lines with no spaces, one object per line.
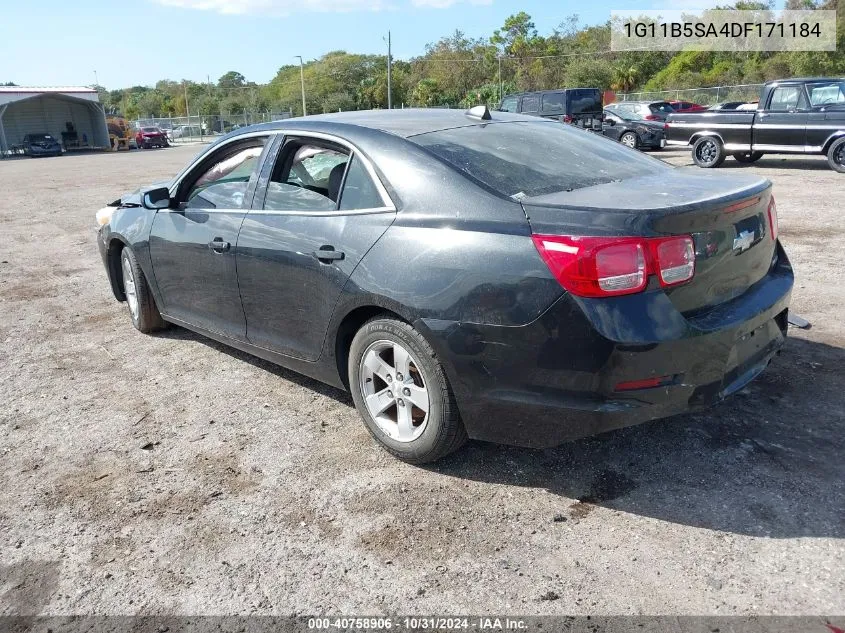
{"x":130,"y":289}
{"x":629,"y":140}
{"x":707,"y":152}
{"x":394,"y":390}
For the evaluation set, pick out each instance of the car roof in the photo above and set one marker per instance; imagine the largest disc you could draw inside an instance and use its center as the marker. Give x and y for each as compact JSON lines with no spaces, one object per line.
{"x":404,"y":122}
{"x":795,"y":80}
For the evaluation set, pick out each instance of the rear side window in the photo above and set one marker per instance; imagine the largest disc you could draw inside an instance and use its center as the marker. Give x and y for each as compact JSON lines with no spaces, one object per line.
{"x":525,"y":159}
{"x":662,"y":106}
{"x":786,"y":98}
{"x":510,"y":104}
{"x":530,"y":103}
{"x":584,"y":101}
{"x":359,"y":192}
{"x":554,"y":102}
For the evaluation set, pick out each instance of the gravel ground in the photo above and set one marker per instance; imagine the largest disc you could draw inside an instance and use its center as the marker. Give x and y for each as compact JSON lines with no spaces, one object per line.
{"x":168,"y":474}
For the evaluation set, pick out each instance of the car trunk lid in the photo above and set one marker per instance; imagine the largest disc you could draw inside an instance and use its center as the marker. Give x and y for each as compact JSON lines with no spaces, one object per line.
{"x":725,"y":215}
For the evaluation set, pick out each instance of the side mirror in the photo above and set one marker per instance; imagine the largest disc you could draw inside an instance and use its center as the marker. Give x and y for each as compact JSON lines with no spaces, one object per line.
{"x":156,"y":198}
{"x":611,"y":121}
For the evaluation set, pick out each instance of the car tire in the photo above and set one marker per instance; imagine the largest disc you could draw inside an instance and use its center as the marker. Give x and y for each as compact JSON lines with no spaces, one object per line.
{"x":629,"y":139}
{"x":836,"y":155}
{"x":708,"y":152}
{"x":139,"y":299}
{"x":748,"y":157}
{"x":381,"y":351}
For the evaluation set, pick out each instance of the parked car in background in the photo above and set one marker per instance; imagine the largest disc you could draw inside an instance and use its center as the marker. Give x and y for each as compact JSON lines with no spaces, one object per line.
{"x":581,"y":107}
{"x":147,"y":137}
{"x":686,"y":106}
{"x":747,"y":106}
{"x":793,"y":116}
{"x":630,"y":130}
{"x":41,"y":144}
{"x":646,"y":110}
{"x":463,"y":274}
{"x":186,"y":131}
{"x":727,"y":105}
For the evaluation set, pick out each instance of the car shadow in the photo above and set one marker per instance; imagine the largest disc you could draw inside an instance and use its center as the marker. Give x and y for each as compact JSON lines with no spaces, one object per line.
{"x":765,"y":462}
{"x":182,"y":334}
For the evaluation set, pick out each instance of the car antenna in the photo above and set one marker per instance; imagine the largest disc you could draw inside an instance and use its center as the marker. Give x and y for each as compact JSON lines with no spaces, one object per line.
{"x":479,"y":112}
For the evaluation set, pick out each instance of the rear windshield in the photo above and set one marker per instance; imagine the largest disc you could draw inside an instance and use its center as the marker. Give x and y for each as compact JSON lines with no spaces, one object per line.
{"x":526,"y":159}
{"x":661,"y":106}
{"x":581,"y":101}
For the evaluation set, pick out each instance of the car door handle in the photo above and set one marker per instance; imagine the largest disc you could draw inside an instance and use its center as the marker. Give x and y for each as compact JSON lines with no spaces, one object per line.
{"x":218,"y":245}
{"x":328,"y":254}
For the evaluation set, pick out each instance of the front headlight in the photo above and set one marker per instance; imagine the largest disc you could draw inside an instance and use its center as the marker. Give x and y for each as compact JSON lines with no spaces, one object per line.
{"x":104,"y":215}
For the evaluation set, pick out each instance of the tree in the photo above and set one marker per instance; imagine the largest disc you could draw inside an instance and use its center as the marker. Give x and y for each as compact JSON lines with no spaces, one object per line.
{"x":230,"y":80}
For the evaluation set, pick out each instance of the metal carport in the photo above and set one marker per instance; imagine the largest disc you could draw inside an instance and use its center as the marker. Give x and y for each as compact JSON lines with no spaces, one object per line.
{"x":30,"y":110}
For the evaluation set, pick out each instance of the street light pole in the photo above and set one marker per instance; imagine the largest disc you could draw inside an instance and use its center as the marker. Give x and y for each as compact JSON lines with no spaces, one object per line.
{"x":96,"y":82}
{"x":500,"y":79}
{"x":389,"y":64}
{"x":302,"y":82}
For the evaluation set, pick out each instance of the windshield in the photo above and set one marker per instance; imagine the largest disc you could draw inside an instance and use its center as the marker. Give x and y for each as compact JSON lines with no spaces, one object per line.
{"x":150,"y":129}
{"x":826,"y":93}
{"x":526,"y":159}
{"x":37,"y":138}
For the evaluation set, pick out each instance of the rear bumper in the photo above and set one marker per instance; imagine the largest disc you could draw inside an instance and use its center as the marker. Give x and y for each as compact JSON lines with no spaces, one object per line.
{"x":554,"y":379}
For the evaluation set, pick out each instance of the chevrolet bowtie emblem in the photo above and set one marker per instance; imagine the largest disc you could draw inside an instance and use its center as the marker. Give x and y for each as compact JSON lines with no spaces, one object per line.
{"x":743,"y":241}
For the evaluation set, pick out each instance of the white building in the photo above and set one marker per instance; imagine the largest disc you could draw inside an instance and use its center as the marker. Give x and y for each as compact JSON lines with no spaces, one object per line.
{"x":72,"y":115}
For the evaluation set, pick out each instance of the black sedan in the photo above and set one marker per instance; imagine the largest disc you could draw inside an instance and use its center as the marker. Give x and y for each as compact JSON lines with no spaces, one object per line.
{"x":633,"y":131}
{"x":504,"y":278}
{"x":41,"y":145}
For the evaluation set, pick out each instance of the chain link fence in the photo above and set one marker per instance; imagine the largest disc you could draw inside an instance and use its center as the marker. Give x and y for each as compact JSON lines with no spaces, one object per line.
{"x":704,"y":96}
{"x":204,"y":127}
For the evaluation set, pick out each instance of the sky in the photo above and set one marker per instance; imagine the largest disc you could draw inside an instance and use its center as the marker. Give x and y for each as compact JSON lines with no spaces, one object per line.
{"x":137,"y":42}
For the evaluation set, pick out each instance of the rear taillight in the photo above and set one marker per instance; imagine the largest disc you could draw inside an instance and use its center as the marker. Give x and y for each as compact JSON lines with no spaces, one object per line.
{"x":652,"y":117}
{"x":566,"y":118}
{"x":607,"y":266}
{"x":773,"y":218}
{"x":674,"y":258}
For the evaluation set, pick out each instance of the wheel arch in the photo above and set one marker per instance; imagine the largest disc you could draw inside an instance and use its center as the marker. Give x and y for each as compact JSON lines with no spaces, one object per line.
{"x":703,"y":133}
{"x":115,"y":248}
{"x":832,"y":139}
{"x":348,"y":326}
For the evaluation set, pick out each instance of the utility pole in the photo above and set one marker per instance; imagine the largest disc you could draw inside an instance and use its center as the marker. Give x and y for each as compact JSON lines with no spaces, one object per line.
{"x":389,"y":64}
{"x":96,"y":82}
{"x":501,"y":89}
{"x":302,"y":82}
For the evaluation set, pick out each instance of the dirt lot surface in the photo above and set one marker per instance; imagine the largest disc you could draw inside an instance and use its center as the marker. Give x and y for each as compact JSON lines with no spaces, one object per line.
{"x":168,"y":474}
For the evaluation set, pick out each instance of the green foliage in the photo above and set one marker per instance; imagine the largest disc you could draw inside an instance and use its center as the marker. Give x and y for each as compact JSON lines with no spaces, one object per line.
{"x":462,"y":71}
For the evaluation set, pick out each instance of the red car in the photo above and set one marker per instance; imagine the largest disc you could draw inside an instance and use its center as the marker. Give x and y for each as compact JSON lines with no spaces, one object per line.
{"x":686,"y":106}
{"x":147,"y":137}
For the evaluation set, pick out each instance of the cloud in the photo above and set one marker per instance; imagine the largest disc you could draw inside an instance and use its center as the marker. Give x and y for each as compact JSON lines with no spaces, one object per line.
{"x":443,"y":4}
{"x":277,"y":7}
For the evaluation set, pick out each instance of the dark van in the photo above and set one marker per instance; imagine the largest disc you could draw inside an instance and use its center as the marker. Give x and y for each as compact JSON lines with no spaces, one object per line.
{"x":579,"y":106}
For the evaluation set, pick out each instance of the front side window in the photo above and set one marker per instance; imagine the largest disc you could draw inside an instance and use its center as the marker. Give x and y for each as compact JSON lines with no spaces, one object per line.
{"x":526,"y":159}
{"x":306,"y":177}
{"x":223,"y":185}
{"x":826,"y":93}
